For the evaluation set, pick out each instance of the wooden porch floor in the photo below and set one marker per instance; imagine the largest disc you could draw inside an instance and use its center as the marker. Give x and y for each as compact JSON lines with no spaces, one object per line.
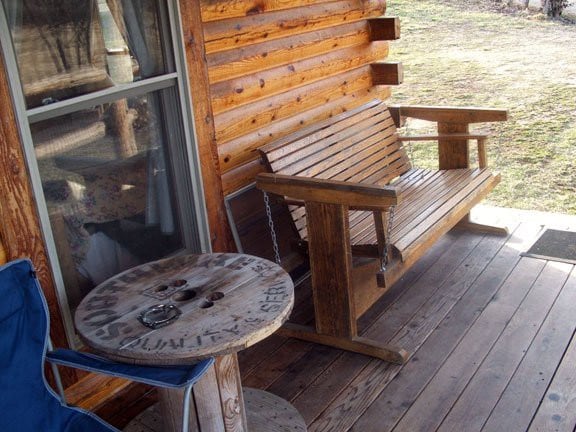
{"x":491,"y":335}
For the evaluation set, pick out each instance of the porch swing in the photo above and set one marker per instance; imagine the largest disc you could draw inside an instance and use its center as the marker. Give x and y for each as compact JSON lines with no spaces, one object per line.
{"x":366,"y":214}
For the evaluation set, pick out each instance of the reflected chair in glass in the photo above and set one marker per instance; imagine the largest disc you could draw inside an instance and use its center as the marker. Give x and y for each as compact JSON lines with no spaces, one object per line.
{"x":27,"y":402}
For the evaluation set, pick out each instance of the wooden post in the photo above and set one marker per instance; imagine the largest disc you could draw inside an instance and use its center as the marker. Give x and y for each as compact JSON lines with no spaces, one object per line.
{"x":192,"y":28}
{"x":453,"y":154}
{"x":331,"y":264}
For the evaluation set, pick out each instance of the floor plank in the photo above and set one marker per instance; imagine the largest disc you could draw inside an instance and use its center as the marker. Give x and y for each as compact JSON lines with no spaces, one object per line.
{"x":491,"y":336}
{"x":483,"y":391}
{"x":525,"y":391}
{"x":436,"y":399}
{"x":399,"y":395}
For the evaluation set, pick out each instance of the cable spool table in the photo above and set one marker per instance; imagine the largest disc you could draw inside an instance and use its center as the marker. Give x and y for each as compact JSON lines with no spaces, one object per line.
{"x":182,"y":309}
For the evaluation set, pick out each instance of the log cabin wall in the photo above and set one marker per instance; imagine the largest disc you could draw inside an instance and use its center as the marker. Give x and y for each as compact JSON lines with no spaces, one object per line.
{"x":259,"y":69}
{"x":274,"y":66}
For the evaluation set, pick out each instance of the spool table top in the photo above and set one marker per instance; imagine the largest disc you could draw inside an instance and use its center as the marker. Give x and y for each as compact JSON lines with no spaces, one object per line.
{"x":185,"y":308}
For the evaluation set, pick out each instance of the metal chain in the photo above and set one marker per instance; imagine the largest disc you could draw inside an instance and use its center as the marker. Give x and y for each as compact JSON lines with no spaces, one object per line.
{"x":272,"y":229}
{"x":384,"y":259}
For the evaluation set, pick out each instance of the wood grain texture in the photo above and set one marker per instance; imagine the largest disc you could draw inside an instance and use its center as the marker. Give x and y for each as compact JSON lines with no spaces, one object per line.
{"x":213,"y":10}
{"x":254,"y":58}
{"x":387,"y":73}
{"x":225,"y":35}
{"x":227,"y":302}
{"x":220,"y":234}
{"x":231,"y":397}
{"x":330,"y":263}
{"x":245,"y":119}
{"x":250,"y":88}
{"x":207,"y":402}
{"x":384,"y":28}
{"x":241,"y":150}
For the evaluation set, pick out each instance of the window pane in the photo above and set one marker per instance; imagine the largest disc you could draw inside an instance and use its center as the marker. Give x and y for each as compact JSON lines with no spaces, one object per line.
{"x":67,"y":48}
{"x":108,"y":185}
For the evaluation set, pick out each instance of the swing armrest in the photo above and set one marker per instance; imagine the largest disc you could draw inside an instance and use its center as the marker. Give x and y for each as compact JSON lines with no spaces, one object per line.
{"x":479,"y":138}
{"x":448,"y":114}
{"x":354,"y":195}
{"x":445,"y":137}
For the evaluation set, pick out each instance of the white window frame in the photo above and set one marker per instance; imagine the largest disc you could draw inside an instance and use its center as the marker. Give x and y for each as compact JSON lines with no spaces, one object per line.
{"x":195,"y":229}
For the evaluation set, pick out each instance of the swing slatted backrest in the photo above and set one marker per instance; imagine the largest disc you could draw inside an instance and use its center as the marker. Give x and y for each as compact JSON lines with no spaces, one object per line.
{"x":359,"y":146}
{"x":362,"y":146}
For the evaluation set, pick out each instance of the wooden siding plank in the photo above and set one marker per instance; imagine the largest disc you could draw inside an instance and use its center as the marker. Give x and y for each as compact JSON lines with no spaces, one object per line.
{"x":538,"y":368}
{"x":213,"y":10}
{"x":266,"y":55}
{"x":250,"y":88}
{"x":483,"y":391}
{"x":243,"y":120}
{"x":223,"y":35}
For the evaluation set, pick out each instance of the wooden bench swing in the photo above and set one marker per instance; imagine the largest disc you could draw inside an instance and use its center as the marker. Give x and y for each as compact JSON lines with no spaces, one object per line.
{"x":366,"y":214}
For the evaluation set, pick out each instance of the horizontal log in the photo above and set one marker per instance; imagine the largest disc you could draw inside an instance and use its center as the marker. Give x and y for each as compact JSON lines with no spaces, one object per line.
{"x":384,"y":28}
{"x":463,"y":115}
{"x":349,"y":194}
{"x":245,"y":61}
{"x":237,"y":122}
{"x":387,"y":73}
{"x":227,"y":34}
{"x":242,"y":150}
{"x":250,"y":88}
{"x":241,"y":176}
{"x":213,"y":10}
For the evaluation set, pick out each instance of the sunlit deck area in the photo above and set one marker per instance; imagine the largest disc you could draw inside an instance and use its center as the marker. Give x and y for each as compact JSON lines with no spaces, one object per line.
{"x":491,"y":337}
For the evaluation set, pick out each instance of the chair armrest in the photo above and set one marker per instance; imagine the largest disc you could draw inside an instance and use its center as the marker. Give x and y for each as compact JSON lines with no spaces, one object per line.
{"x":462,"y":115}
{"x":163,"y":376}
{"x":356,"y":195}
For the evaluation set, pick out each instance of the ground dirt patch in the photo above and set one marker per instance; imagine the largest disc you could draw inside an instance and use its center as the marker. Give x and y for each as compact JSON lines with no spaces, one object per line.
{"x":479,"y":53}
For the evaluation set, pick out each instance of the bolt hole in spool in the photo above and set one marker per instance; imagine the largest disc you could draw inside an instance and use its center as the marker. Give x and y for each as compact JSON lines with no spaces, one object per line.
{"x":184,"y":295}
{"x":208,"y":302}
{"x":161,"y":288}
{"x":179,"y":283}
{"x":215,"y":296}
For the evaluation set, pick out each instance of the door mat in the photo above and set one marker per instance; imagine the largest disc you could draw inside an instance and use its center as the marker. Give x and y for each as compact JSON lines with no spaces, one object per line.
{"x":554,"y":245}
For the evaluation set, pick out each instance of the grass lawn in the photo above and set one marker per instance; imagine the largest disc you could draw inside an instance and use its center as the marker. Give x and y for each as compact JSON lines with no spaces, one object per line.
{"x":460,"y":53}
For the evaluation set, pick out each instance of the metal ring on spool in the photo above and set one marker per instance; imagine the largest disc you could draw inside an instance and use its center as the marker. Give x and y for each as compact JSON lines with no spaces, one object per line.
{"x":159,"y":315}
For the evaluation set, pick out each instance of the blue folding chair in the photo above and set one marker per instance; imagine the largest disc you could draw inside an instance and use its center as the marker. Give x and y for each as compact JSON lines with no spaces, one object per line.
{"x":27,"y":402}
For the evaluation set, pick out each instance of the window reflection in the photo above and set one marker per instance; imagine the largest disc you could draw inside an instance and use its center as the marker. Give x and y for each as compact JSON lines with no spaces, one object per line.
{"x":67,"y":48}
{"x":108,"y":190}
